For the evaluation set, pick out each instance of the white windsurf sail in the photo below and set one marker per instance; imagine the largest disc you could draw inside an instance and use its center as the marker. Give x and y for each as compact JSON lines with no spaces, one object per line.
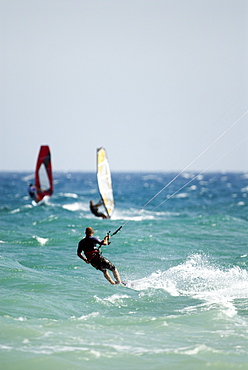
{"x":104,"y":181}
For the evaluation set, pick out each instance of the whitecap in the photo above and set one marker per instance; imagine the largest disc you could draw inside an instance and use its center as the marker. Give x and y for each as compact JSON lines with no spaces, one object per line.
{"x":132,"y":215}
{"x":69,"y":195}
{"x":28,"y":178}
{"x":3,"y":346}
{"x":97,"y":354}
{"x":115,"y":299}
{"x":136,"y":215}
{"x":15,"y":211}
{"x":41,"y":241}
{"x":241,"y":203}
{"x":152,"y":177}
{"x":193,"y":187}
{"x":77,"y":206}
{"x":245,"y":189}
{"x":86,"y":317}
{"x":156,"y":281}
{"x":181,"y":195}
{"x":224,"y":178}
{"x":244,"y":176}
{"x":28,"y":206}
{"x":21,"y":318}
{"x":187,"y":175}
{"x":195,"y":350}
{"x":200,"y":279}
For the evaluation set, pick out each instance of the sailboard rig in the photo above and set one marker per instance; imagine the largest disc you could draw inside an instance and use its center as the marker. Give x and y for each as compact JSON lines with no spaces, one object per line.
{"x":43,"y":174}
{"x":104,"y":181}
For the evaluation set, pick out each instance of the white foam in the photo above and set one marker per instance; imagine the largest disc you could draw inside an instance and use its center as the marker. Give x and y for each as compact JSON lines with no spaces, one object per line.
{"x":181,"y":195}
{"x":69,"y":195}
{"x":115,"y":299}
{"x":41,"y":241}
{"x":137,"y":215}
{"x":245,"y":189}
{"x":193,"y":187}
{"x":200,"y":279}
{"x":15,"y":211}
{"x":241,"y":204}
{"x":86,"y":317}
{"x":77,"y":206}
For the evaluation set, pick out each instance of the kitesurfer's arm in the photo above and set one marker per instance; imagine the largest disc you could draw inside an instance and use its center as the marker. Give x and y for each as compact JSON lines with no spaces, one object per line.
{"x":82,"y":257}
{"x":105,"y":241}
{"x":79,"y":253}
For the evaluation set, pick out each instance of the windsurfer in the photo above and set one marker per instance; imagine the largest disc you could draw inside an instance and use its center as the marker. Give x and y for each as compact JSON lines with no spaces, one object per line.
{"x":94,"y":209}
{"x":94,"y":257}
{"x":32,"y":191}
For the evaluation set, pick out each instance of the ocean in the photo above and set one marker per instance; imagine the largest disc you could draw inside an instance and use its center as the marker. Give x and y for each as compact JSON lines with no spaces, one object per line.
{"x":184,"y":259}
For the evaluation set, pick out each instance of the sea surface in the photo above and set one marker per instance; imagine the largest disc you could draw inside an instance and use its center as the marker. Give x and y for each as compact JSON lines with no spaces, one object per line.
{"x":184,"y":258}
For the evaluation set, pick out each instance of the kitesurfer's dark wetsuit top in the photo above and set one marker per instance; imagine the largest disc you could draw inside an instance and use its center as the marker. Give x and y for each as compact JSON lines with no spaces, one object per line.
{"x":88,"y":246}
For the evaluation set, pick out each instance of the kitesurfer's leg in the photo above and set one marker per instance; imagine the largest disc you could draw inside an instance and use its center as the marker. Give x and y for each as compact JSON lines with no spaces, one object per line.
{"x":107,"y":276}
{"x":117,"y":276}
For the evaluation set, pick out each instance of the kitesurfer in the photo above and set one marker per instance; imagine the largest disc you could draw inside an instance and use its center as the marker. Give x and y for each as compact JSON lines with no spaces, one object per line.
{"x":94,"y":209}
{"x":94,"y":257}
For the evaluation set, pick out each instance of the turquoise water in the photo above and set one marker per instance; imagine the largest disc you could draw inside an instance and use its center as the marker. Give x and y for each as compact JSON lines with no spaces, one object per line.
{"x":185,"y":263}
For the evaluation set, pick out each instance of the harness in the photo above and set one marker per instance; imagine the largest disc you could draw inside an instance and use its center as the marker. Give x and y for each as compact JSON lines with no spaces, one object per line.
{"x":93,"y":255}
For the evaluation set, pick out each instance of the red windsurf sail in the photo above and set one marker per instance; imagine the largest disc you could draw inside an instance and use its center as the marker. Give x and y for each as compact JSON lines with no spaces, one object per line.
{"x":43,"y":173}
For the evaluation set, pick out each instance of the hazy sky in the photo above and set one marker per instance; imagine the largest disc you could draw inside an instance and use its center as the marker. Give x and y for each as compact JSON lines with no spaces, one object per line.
{"x":153,"y":81}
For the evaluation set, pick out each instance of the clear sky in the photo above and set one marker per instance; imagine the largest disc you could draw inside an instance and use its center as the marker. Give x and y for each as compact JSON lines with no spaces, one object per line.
{"x":153,"y":81}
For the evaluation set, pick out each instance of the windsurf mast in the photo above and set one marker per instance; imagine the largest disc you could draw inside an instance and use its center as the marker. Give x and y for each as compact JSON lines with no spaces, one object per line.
{"x":104,"y":181}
